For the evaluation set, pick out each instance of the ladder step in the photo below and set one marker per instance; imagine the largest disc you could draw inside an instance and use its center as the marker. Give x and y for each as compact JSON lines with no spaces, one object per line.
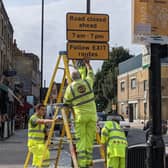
{"x":60,"y":122}
{"x":71,"y":65}
{"x":51,"y":159}
{"x":57,"y":139}
{"x":55,"y":147}
{"x":61,"y":68}
{"x":98,"y":161}
{"x":97,"y":146}
{"x":72,"y":132}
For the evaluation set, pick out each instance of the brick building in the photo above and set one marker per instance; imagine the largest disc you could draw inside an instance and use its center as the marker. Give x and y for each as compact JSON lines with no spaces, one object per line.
{"x":19,"y":72}
{"x":6,"y":41}
{"x":28,"y":74}
{"x":133,"y":89}
{"x":6,"y":72}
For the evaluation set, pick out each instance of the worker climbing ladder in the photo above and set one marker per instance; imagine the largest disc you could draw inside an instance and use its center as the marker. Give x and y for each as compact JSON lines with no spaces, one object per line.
{"x":66,"y":113}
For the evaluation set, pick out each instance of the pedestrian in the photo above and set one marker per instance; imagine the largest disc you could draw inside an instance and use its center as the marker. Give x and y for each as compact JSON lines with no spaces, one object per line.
{"x":114,"y":139}
{"x":36,"y":135}
{"x":79,"y":95}
{"x":148,"y":129}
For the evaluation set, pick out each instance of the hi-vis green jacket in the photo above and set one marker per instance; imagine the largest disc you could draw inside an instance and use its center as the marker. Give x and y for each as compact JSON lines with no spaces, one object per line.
{"x":114,"y":137}
{"x":36,"y":132}
{"x":79,"y":94}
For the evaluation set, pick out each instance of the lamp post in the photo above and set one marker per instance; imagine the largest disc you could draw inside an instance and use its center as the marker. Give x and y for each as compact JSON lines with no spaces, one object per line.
{"x":88,"y":7}
{"x":42,"y":33}
{"x":155,"y":143}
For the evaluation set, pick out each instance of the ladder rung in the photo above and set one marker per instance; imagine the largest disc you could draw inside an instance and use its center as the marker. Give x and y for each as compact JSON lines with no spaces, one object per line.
{"x":53,"y":148}
{"x":61,"y":68}
{"x":64,"y":140}
{"x":72,"y":132}
{"x":96,"y":146}
{"x":98,"y":161}
{"x":57,"y":139}
{"x":71,"y":65}
{"x":59,"y":123}
{"x":51,"y":159}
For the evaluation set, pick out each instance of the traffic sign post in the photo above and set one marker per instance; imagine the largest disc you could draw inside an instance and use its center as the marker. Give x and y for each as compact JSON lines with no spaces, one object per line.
{"x":155,"y":143}
{"x":87,"y":36}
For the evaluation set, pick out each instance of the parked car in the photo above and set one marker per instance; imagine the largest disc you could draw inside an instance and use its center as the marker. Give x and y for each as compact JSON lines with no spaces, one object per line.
{"x":113,"y":116}
{"x":101,"y":116}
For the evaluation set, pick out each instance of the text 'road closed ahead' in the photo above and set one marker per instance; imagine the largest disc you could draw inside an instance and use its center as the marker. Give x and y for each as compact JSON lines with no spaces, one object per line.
{"x":80,"y":21}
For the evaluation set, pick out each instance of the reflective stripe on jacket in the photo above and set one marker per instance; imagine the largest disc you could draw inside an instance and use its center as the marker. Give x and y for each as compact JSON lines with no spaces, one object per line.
{"x":36,"y":132}
{"x":115,"y":138}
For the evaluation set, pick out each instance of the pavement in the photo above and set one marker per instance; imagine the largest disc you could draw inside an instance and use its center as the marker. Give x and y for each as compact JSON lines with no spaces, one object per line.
{"x":13,"y":150}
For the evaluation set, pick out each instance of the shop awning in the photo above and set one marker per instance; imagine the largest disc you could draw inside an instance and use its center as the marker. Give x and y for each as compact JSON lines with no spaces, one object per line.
{"x":8,"y":90}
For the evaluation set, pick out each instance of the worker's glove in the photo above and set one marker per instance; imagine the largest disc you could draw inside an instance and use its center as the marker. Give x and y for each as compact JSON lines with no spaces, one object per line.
{"x":80,"y":63}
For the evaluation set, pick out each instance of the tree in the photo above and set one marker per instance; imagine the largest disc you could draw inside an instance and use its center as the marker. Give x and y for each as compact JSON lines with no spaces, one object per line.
{"x":105,"y":86}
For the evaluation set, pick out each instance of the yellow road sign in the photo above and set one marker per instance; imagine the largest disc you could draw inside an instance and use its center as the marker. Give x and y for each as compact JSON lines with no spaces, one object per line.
{"x":150,"y":21}
{"x":94,"y":51}
{"x":87,"y":36}
{"x":81,"y":21}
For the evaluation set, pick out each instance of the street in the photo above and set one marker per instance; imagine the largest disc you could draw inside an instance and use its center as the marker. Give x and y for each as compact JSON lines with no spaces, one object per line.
{"x":13,"y":150}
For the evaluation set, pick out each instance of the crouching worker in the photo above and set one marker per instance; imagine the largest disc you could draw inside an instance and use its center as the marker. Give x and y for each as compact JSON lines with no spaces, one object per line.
{"x":36,"y":136}
{"x":113,"y":137}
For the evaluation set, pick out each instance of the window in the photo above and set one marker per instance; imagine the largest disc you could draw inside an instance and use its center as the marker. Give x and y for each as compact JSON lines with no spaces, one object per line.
{"x":145,"y":108}
{"x":122,"y":84}
{"x":2,"y":30}
{"x":133,"y":83}
{"x":145,"y":85}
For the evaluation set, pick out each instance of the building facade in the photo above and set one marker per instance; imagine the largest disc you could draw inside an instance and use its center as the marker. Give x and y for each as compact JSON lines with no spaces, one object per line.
{"x":19,"y":73}
{"x":28,"y":74}
{"x":6,"y":41}
{"x":6,"y":74}
{"x":133,"y":89}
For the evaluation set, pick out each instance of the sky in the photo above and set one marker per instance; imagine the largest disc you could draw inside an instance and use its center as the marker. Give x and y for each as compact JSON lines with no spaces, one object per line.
{"x":25,"y":17}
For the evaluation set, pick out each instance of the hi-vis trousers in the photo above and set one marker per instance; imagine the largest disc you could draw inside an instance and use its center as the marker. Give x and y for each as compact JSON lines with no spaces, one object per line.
{"x":38,"y":151}
{"x":85,"y":128}
{"x":115,"y":162}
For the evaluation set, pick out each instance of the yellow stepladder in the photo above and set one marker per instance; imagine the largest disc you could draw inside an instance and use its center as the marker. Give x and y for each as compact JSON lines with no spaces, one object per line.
{"x":59,"y":98}
{"x":65,"y":120}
